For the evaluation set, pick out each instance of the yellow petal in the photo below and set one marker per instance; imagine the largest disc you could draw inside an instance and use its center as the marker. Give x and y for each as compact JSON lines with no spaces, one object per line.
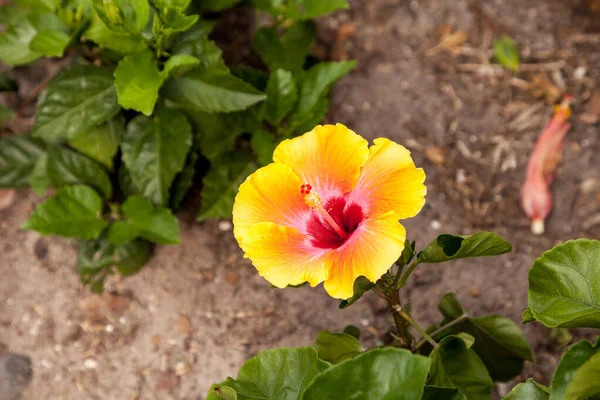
{"x":283,"y":256}
{"x":370,"y":252}
{"x":270,"y":194}
{"x":329,"y":158}
{"x":389,"y":181}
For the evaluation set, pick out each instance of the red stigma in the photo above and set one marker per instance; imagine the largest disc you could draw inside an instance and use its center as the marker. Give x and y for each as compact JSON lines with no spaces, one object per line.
{"x":305,"y":189}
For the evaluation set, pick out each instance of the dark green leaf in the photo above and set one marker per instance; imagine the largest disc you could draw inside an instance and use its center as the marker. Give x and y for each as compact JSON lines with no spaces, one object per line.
{"x":529,"y":390}
{"x":440,"y":393}
{"x":96,"y":259}
{"x":67,"y":167}
{"x":215,"y":133}
{"x":221,"y":183}
{"x":218,"y":5}
{"x":564,"y":285}
{"x":257,"y":78}
{"x":79,"y":99}
{"x":184,"y":180}
{"x":18,"y":155}
{"x":101,"y":143}
{"x":450,"y":247}
{"x":278,"y":374}
{"x":121,"y":42}
{"x":211,"y":91}
{"x":263,"y":144}
{"x":361,"y":286}
{"x":156,"y":224}
{"x":126,"y":185}
{"x":7,"y":84}
{"x":407,"y":254}
{"x":50,"y":43}
{"x":336,"y":347}
{"x":585,"y":383}
{"x":38,"y":178}
{"x":288,"y":51}
{"x":455,"y":365}
{"x":281,"y":95}
{"x":75,"y":211}
{"x":499,"y":342}
{"x":507,"y":53}
{"x":384,"y":373}
{"x":154,"y":151}
{"x":138,"y":79}
{"x":352,"y":331}
{"x":569,"y":365}
{"x":6,"y":114}
{"x":195,"y":43}
{"x":302,"y":123}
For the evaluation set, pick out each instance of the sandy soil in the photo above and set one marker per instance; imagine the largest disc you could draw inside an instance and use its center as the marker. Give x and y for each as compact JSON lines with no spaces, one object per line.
{"x":198,"y":311}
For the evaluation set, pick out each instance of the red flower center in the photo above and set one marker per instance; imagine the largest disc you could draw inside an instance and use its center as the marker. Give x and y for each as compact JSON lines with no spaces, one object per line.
{"x":347,"y":216}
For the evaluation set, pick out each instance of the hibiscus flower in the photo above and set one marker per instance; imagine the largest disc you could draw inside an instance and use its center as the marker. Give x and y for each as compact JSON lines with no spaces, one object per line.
{"x":327,"y":209}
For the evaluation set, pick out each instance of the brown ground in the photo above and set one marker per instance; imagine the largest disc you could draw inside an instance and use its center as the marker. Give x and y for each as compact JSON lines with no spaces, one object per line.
{"x":197,"y":311}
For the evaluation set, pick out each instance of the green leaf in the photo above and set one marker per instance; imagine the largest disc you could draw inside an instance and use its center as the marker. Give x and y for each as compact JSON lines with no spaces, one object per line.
{"x":6,"y":114}
{"x":352,"y":331}
{"x":38,"y":5}
{"x":154,"y":151}
{"x":278,"y":374}
{"x":336,"y":347}
{"x":281,"y":95}
{"x":138,"y":79}
{"x":529,"y":390}
{"x":101,"y":143}
{"x":18,"y":155}
{"x":570,"y":363}
{"x":384,"y":373}
{"x":221,"y":183}
{"x":143,"y":219}
{"x":195,"y":43}
{"x":38,"y":178}
{"x":499,"y":342}
{"x":585,"y":383}
{"x":79,"y":99}
{"x":184,"y":180}
{"x":300,"y":9}
{"x":123,"y":15}
{"x":126,"y":185}
{"x":75,"y":211}
{"x":211,"y":91}
{"x":315,"y":83}
{"x":121,"y":42}
{"x":455,"y":365}
{"x":361,"y":286}
{"x":507,"y":53}
{"x":67,"y":167}
{"x":450,"y":247}
{"x":564,"y":285}
{"x":50,"y":43}
{"x":178,"y":62}
{"x":289,"y":51}
{"x":96,"y":259}
{"x":408,"y":253}
{"x":263,"y":144}
{"x":217,"y":5}
{"x":257,"y":78}
{"x":302,"y":123}
{"x":441,"y":393}
{"x":218,"y":392}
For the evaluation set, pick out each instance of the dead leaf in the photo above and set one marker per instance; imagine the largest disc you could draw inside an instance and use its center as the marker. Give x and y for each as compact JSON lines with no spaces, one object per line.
{"x":541,"y":86}
{"x":591,"y":115}
{"x":184,"y":326}
{"x":450,"y":40}
{"x":232,"y":277}
{"x":436,"y":155}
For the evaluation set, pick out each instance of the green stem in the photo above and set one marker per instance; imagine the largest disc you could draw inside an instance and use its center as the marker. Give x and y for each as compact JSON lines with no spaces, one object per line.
{"x":441,"y":329}
{"x":394,"y":302}
{"x":406,"y":274}
{"x":415,"y":325}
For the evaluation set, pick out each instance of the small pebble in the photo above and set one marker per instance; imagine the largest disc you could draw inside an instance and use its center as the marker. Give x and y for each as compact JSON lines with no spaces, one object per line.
{"x":90,"y":363}
{"x":436,"y":225}
{"x":225,"y":226}
{"x":109,"y":328}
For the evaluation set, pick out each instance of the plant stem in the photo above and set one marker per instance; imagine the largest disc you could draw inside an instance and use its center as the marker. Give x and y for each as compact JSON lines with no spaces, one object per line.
{"x":398,"y":273}
{"x":406,"y":274}
{"x":441,"y":329}
{"x":394,"y":302}
{"x":398,"y":310}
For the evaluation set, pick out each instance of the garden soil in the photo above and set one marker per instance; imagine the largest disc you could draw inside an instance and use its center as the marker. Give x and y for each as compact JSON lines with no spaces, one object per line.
{"x":199,"y":310}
